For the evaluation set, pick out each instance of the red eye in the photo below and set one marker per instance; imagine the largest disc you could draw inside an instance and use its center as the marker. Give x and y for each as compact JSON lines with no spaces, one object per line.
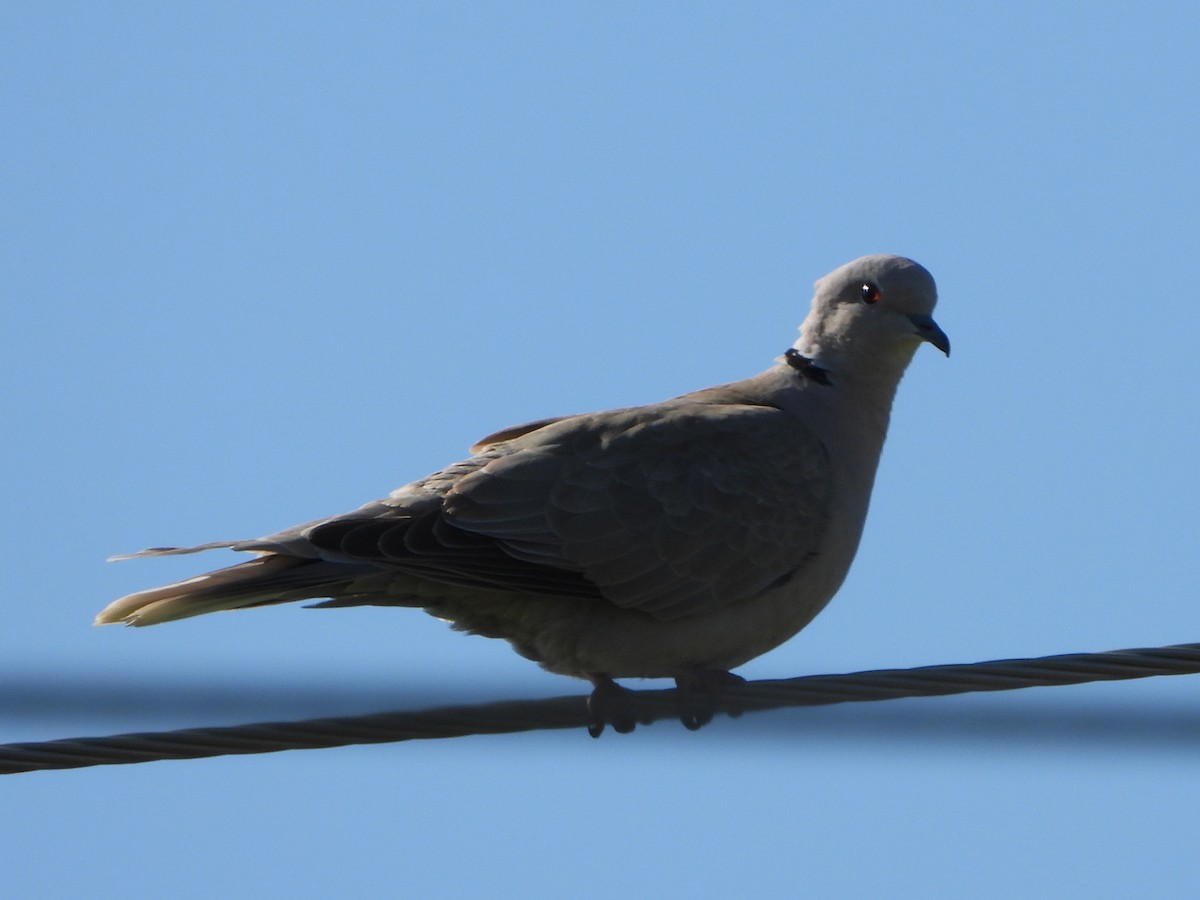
{"x":870,"y":293}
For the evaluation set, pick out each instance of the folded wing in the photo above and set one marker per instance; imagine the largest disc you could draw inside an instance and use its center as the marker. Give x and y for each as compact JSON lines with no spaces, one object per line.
{"x":674,"y":509}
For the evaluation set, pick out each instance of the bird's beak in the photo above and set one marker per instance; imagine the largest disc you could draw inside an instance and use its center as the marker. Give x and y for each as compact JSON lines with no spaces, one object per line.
{"x":927,"y":330}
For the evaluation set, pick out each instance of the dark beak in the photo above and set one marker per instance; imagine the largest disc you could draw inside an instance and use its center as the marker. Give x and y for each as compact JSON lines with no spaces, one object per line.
{"x":927,"y":330}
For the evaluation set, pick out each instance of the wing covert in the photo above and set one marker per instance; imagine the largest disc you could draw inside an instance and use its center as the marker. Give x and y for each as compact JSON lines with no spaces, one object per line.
{"x":674,"y":510}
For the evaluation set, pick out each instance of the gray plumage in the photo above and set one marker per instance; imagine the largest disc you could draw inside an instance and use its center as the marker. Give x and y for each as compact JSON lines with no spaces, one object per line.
{"x":655,"y":541}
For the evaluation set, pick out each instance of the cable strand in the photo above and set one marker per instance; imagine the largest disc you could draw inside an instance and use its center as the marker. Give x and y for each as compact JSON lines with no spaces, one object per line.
{"x":512,"y":716}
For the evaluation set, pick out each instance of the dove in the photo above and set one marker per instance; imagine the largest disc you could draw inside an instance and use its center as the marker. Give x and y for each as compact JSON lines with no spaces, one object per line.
{"x":678,"y":539}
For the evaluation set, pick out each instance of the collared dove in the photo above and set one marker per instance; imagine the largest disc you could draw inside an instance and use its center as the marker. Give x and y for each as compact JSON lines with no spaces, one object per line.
{"x":678,"y":539}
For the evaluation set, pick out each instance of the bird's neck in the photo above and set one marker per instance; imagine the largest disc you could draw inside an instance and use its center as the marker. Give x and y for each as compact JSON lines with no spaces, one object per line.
{"x":871,"y":367}
{"x":853,"y":394}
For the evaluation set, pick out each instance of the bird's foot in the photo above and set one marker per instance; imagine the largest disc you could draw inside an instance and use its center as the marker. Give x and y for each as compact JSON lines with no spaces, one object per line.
{"x":699,"y":692}
{"x":609,"y":705}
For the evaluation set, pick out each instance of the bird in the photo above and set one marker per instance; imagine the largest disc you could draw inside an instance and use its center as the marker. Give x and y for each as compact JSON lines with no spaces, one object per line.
{"x":678,"y":539}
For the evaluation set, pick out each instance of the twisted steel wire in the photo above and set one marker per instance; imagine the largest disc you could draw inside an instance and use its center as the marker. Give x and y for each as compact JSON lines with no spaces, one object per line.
{"x":572,"y":712}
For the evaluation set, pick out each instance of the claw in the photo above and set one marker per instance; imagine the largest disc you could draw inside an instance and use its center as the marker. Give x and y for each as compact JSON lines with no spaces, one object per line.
{"x":605,"y":707}
{"x":699,"y":693}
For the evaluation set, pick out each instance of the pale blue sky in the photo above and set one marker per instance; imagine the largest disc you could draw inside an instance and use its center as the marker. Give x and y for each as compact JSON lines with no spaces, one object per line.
{"x":264,"y":262}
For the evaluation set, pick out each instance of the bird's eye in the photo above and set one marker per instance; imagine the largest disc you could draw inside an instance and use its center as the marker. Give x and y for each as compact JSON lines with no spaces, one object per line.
{"x":870,"y":293}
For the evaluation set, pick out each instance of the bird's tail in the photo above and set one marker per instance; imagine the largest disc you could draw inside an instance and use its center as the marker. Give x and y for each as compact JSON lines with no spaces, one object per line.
{"x":271,"y":578}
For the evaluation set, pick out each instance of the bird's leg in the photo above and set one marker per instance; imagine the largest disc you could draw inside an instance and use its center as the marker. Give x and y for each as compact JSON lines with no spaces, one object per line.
{"x":608,"y":706}
{"x":699,"y":691}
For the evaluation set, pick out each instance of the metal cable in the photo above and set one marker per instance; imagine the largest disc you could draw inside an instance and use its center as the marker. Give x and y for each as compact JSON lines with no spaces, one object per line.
{"x":573,"y":712}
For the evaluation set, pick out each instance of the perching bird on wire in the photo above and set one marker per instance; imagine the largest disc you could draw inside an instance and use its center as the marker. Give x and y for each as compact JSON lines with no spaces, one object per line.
{"x":676,"y":540}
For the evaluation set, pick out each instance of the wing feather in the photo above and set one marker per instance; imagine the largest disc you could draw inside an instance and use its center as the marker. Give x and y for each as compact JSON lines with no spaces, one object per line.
{"x":675,"y":509}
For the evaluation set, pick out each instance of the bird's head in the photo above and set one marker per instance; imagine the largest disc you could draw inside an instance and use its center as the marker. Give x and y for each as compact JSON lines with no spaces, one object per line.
{"x":872,"y":314}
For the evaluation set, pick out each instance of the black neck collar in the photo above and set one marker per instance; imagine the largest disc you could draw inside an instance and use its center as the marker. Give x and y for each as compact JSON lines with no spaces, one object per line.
{"x":806,"y":366}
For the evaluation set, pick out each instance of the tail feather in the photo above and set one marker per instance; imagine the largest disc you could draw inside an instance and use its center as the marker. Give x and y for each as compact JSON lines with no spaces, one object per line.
{"x":176,"y":551}
{"x":271,"y":578}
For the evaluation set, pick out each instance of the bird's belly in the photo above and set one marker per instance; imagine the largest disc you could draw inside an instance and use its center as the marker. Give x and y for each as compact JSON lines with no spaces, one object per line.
{"x":571,"y":636}
{"x":634,"y":645}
